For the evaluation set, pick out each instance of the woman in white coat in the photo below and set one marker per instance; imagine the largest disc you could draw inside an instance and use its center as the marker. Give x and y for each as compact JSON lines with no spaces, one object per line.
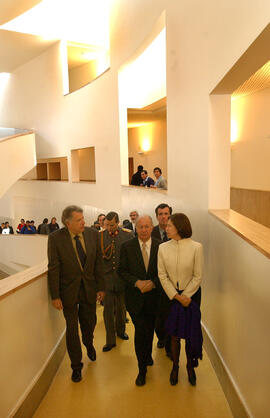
{"x":180,"y":264}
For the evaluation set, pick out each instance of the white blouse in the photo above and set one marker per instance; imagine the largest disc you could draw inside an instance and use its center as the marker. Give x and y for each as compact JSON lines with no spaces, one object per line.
{"x":180,"y":266}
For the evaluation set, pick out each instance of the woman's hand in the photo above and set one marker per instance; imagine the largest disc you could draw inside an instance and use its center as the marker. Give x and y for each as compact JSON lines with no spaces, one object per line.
{"x":184,"y":300}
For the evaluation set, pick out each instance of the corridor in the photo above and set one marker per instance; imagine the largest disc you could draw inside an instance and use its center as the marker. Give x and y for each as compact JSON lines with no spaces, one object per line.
{"x":108,"y":387}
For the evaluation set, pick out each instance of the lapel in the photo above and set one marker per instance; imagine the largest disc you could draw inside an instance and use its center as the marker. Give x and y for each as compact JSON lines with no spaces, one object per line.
{"x":152,"y":254}
{"x":70,"y":253}
{"x":88,"y":246}
{"x":138,"y":254}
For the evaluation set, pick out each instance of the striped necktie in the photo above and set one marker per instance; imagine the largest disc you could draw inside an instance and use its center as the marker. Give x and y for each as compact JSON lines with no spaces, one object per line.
{"x":80,"y":250}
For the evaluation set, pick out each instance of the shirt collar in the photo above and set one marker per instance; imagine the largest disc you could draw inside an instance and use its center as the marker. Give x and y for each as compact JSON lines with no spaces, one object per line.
{"x":147,"y":243}
{"x":80,"y":235}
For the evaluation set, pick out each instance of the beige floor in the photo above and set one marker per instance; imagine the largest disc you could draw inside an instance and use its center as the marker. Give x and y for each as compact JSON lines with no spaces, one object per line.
{"x":108,"y":388}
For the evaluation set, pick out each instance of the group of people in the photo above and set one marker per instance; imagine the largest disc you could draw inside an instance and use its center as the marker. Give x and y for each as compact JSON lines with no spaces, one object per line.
{"x":141,"y":178}
{"x":45,"y":228}
{"x":6,"y":229}
{"x":154,"y":273}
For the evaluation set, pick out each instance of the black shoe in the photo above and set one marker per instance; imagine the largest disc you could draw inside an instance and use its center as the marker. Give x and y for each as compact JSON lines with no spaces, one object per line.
{"x":191,"y":376}
{"x":160,"y":344}
{"x":174,"y":376}
{"x":76,"y":375}
{"x":140,"y":380}
{"x":91,"y":352}
{"x":150,"y":362}
{"x":123,"y":336}
{"x":108,"y":347}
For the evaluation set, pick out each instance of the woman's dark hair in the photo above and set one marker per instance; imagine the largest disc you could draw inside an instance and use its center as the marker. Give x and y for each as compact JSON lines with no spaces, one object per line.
{"x":182,"y":224}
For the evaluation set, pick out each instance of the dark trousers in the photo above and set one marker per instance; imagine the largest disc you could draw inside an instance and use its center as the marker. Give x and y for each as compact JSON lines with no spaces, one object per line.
{"x":85,"y":314}
{"x":114,"y":315}
{"x":144,"y":324}
{"x":162,"y":314}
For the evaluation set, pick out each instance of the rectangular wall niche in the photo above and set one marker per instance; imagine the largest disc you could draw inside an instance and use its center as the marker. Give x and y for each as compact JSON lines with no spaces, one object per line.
{"x":83,"y":165}
{"x":49,"y":169}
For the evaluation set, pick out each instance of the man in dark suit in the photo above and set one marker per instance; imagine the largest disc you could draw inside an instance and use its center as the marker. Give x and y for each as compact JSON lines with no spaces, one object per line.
{"x":146,"y":180}
{"x":138,"y":269}
{"x":163,"y":212}
{"x":137,"y":178}
{"x":114,"y":302}
{"x":76,"y":281}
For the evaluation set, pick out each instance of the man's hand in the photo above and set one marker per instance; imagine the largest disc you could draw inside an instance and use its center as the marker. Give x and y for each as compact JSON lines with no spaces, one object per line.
{"x":184,"y":300}
{"x":148,"y":287}
{"x":57,"y":303}
{"x":144,"y":285}
{"x":100,"y":296}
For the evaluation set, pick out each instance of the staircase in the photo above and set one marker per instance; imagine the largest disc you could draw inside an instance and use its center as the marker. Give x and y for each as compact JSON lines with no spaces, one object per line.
{"x":18,"y":156}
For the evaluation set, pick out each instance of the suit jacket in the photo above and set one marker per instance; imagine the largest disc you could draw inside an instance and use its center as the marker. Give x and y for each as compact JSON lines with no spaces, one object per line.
{"x":112,"y":280}
{"x":64,"y":272}
{"x":156,"y":233}
{"x":129,"y":226}
{"x":136,"y":179}
{"x":131,"y":269}
{"x":148,"y":182}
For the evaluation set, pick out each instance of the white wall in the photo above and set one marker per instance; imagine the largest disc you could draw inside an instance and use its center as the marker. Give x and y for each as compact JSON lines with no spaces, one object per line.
{"x":204,"y":40}
{"x":30,"y":332}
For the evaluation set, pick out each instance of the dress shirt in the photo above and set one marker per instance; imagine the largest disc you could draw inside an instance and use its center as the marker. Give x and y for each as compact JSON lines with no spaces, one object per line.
{"x":147,"y":246}
{"x":180,"y":265}
{"x":162,"y":231}
{"x":80,"y":235}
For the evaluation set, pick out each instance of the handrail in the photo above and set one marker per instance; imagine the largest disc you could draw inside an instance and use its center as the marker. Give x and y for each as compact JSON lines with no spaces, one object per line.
{"x":7,"y":138}
{"x":18,"y":280}
{"x":254,"y":233}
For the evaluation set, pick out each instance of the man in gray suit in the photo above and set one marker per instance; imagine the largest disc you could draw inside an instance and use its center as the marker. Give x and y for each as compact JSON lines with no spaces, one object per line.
{"x":114,"y":302}
{"x":76,"y":281}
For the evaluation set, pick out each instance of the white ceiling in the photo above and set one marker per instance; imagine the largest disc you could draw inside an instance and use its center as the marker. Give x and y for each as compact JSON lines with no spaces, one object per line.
{"x":16,"y":48}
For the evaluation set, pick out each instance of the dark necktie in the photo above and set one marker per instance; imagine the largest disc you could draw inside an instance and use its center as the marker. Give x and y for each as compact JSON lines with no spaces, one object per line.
{"x":165,"y":237}
{"x":80,"y":250}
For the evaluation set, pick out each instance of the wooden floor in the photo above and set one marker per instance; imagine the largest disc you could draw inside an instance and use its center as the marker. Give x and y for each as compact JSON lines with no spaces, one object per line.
{"x":108,"y":387}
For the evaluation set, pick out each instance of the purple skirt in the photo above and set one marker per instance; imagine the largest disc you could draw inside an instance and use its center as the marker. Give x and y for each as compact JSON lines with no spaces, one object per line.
{"x":186,"y":323}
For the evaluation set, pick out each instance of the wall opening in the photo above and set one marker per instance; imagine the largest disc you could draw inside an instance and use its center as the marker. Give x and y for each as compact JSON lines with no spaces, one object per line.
{"x":83,"y":165}
{"x":142,"y":84}
{"x":147,"y":138}
{"x":239,"y":172}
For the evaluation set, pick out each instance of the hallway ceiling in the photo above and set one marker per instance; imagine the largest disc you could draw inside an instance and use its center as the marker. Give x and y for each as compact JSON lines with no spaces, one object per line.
{"x":18,"y":48}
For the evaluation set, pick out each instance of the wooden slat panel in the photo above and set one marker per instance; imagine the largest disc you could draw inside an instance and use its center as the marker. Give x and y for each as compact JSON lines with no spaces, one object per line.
{"x":255,"y":204}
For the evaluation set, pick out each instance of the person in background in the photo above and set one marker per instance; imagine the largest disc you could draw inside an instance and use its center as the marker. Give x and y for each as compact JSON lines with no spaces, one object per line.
{"x":100,"y":219}
{"x":132,"y":223}
{"x":76,"y":282}
{"x":160,"y":182}
{"x":137,"y":178}
{"x":163,"y":212}
{"x":114,"y":302}
{"x":43,"y":228}
{"x":53,"y":226}
{"x":180,"y":266}
{"x":27,"y":228}
{"x":146,"y":180}
{"x":32,"y":223}
{"x":19,"y":227}
{"x":2,"y":227}
{"x":96,"y":225}
{"x":7,"y":229}
{"x":138,"y":270}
